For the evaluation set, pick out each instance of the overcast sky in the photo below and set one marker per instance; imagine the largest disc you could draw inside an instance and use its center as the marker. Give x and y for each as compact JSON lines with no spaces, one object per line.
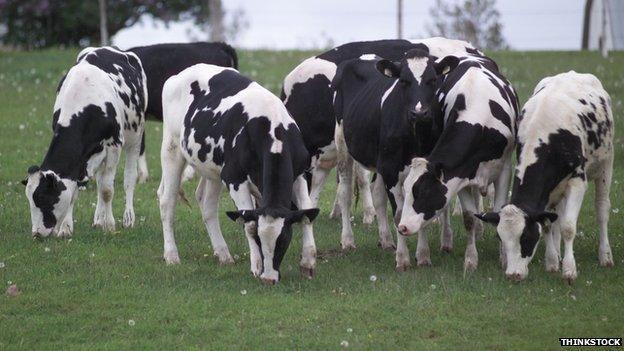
{"x":285,"y":24}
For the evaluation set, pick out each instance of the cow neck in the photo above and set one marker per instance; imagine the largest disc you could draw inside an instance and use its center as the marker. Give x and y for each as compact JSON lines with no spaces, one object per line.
{"x":68,"y":154}
{"x":277,"y":180}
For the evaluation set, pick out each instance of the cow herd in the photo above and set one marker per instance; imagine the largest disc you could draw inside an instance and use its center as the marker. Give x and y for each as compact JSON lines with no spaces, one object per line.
{"x":432,"y":120}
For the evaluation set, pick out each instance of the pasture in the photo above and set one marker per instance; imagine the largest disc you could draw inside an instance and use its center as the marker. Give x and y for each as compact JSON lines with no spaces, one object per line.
{"x":113,"y":291}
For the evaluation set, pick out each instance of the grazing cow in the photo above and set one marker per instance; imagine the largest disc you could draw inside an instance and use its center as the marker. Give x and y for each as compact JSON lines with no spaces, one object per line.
{"x":162,"y":61}
{"x":235,"y":132}
{"x":99,"y":109}
{"x":308,"y":97}
{"x":382,"y":124}
{"x":477,"y":109}
{"x":565,"y":140}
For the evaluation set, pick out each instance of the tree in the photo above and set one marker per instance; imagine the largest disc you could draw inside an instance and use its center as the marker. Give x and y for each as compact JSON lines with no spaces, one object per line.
{"x":33,"y":24}
{"x":476,"y":21}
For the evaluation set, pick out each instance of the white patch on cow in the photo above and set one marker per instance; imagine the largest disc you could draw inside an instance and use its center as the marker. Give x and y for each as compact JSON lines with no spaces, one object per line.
{"x":510,"y":228}
{"x":417,"y":65}
{"x":440,"y":47}
{"x":418,"y":107}
{"x":388,"y":92}
{"x":369,"y":57}
{"x":269,"y":228}
{"x":305,"y":71}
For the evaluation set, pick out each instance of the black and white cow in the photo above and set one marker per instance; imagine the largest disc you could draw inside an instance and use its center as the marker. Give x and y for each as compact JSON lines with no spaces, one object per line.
{"x":235,"y":132}
{"x":308,"y":97}
{"x":162,"y":61}
{"x":99,"y":109}
{"x":477,"y":109}
{"x":565,"y":140}
{"x":383,"y":123}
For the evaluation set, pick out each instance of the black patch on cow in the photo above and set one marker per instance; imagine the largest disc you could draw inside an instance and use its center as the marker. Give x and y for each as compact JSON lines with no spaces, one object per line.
{"x":499,"y":113}
{"x":55,"y":118}
{"x":46,"y":195}
{"x":429,"y":194}
{"x":582,"y":101}
{"x":72,"y":146}
{"x":529,"y":237}
{"x":558,"y":158}
{"x":161,"y":61}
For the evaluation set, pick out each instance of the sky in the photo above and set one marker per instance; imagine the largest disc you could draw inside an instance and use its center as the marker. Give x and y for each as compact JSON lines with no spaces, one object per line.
{"x":305,"y":24}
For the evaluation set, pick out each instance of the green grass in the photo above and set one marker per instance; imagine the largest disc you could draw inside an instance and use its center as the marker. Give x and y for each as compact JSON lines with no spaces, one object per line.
{"x":81,"y":294}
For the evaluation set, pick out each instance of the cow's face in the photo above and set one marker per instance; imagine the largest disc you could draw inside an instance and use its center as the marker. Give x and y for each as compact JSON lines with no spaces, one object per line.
{"x":418,"y":77}
{"x":425,"y":195}
{"x":274,"y":232}
{"x":50,"y":199}
{"x":519,"y":233}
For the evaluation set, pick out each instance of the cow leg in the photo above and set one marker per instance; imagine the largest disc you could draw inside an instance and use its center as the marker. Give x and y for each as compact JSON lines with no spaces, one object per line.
{"x":501,"y":187}
{"x":142,"y":164}
{"x":207,"y":195}
{"x":469,"y":208}
{"x":335,"y":212}
{"x":573,"y":202}
{"x":603,"y":206}
{"x":172,"y":162}
{"x":105,"y":183}
{"x":130,"y":180}
{"x":552,"y":241}
{"x":380,"y":199}
{"x":308,"y":251}
{"x":423,"y":254}
{"x":362,"y":177}
{"x":402,"y":251}
{"x":478,"y":225}
{"x":446,"y":232}
{"x":243,"y":200}
{"x":345,"y":189}
{"x":319,"y":176}
{"x":67,"y":226}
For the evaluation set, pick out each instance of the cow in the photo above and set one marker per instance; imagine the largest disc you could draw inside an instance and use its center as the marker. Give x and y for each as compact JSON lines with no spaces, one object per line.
{"x":162,"y":61}
{"x":477,"y":109}
{"x":99,"y":110}
{"x":308,"y":97}
{"x":380,"y":108}
{"x":235,"y":132}
{"x":565,"y":141}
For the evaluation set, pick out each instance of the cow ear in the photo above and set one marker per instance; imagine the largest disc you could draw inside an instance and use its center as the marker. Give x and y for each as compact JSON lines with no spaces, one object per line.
{"x":24,"y":181}
{"x":33,"y":169}
{"x":388,"y":68}
{"x":446,"y":65}
{"x":243,"y":215}
{"x":299,"y":215}
{"x":489,"y":217}
{"x":544,"y":217}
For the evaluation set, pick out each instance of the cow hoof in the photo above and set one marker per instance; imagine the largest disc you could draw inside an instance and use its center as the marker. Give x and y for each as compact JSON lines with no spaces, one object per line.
{"x":386,"y":246}
{"x":402,"y":267}
{"x":171,"y":258}
{"x":128,"y":220}
{"x":470,"y":265}
{"x":569,"y":276}
{"x":425,"y":262}
{"x":64,"y":232}
{"x":368,"y":218}
{"x":335,"y":213}
{"x":225,"y":260}
{"x":348,"y":246}
{"x":446,"y":249}
{"x":269,"y":281}
{"x":142,"y":177}
{"x":552,"y":268}
{"x":307,"y":272}
{"x":606,"y":259}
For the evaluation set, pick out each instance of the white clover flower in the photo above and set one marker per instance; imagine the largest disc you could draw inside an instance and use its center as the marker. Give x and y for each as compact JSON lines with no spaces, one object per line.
{"x":131,"y":322}
{"x":344,"y":343}
{"x":243,"y":292}
{"x":373,"y":278}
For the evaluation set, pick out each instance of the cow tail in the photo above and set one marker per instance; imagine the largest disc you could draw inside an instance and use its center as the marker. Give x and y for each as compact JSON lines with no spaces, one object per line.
{"x":232,"y":52}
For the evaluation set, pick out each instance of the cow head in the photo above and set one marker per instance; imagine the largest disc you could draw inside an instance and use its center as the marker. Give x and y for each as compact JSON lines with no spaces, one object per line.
{"x":50,"y":198}
{"x":274,"y":232}
{"x":425,"y":196}
{"x":418,"y":77}
{"x":519,"y":233}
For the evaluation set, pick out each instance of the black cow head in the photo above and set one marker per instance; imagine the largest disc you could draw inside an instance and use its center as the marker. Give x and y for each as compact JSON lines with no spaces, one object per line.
{"x":419,"y":76}
{"x":274,"y":232}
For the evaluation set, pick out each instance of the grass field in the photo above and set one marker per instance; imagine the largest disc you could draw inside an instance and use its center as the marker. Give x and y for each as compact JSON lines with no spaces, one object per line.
{"x":113,"y":291}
